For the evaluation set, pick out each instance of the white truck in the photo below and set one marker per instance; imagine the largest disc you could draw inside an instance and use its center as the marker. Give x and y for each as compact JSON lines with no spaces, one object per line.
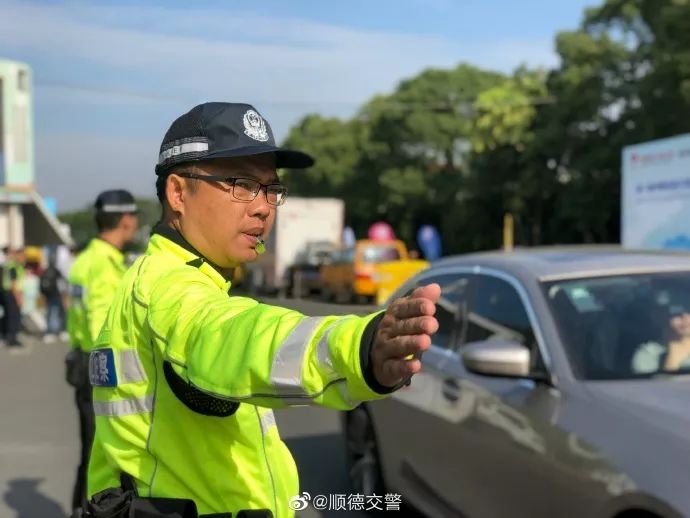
{"x":299,"y":222}
{"x":655,"y":194}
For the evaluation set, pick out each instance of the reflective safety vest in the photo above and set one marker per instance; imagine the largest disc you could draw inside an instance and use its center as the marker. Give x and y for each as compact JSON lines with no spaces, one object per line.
{"x":186,"y":376}
{"x":93,"y":280}
{"x":7,"y":280}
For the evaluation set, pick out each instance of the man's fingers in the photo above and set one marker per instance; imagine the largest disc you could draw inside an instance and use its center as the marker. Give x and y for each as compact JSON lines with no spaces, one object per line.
{"x":404,"y":331}
{"x":414,"y":326}
{"x":422,"y":301}
{"x":403,"y":346}
{"x":430,"y":291}
{"x":397,"y":370}
{"x":412,"y":307}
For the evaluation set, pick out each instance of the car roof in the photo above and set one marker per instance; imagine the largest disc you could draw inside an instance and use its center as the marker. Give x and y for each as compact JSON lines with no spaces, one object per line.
{"x":567,"y":262}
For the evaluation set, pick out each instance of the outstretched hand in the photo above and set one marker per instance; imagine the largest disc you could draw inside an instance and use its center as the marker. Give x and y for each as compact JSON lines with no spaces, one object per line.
{"x":403,"y":334}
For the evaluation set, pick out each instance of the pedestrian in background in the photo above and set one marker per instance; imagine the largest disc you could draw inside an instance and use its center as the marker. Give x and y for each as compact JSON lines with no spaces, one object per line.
{"x":31,"y":310}
{"x":13,"y":288}
{"x":3,"y":297}
{"x":53,"y":287}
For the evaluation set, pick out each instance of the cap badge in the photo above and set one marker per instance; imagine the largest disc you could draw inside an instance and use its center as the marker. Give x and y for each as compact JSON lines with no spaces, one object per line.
{"x":254,"y":126}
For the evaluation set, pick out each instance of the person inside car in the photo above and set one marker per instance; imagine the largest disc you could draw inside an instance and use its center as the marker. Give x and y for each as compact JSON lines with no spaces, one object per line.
{"x":672,"y":352}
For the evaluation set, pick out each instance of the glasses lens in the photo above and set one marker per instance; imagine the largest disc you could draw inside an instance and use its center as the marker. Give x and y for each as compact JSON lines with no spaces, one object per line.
{"x":276,"y":194}
{"x":246,"y":189}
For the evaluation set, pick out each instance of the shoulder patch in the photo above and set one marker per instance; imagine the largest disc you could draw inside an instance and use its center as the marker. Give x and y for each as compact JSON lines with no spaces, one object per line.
{"x":102,"y":371}
{"x":76,"y":291}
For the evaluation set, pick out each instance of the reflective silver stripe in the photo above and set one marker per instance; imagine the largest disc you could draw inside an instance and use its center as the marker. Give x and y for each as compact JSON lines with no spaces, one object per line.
{"x":123,"y":407}
{"x":297,"y":401}
{"x":345,"y":394}
{"x":188,"y":147}
{"x":130,"y":369}
{"x":323,"y":353}
{"x":125,"y":207}
{"x":286,"y":371}
{"x":268,"y":419}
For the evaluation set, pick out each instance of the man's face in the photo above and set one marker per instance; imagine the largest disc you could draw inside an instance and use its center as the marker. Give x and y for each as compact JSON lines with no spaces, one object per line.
{"x":129,"y":224}
{"x":219,"y":226}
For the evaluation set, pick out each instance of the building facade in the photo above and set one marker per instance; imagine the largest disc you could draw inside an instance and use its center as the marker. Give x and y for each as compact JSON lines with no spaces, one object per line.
{"x":25,"y":220}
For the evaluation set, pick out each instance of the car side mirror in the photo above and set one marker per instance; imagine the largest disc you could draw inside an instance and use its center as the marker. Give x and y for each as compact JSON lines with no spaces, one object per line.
{"x":497,"y":358}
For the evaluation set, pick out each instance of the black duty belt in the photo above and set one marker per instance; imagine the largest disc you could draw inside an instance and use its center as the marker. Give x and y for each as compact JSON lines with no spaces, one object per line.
{"x":124,"y":502}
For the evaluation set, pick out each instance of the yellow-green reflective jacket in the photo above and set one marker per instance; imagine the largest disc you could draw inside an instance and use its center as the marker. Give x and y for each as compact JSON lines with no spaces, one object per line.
{"x":7,"y":279}
{"x":186,"y":376}
{"x":93,"y":279}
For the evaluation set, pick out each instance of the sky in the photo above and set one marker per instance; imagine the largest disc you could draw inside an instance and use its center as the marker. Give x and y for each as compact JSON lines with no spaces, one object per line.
{"x":110,"y":76}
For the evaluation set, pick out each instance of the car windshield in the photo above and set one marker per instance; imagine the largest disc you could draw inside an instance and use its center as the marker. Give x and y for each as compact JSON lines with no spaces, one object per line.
{"x":624,"y":326}
{"x":346,"y":255}
{"x":380,"y":253}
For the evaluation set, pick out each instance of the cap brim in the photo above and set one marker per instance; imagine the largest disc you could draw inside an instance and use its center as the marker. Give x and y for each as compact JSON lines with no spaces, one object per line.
{"x":285,"y":158}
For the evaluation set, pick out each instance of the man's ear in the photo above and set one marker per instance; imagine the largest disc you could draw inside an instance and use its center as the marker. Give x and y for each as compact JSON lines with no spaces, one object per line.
{"x":176,"y":191}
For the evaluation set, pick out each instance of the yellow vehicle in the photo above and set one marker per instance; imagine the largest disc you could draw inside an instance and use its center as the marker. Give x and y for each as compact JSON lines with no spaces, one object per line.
{"x":368,"y":272}
{"x":393,"y":274}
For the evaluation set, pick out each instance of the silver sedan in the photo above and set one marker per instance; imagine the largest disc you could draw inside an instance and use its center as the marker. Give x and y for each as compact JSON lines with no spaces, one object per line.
{"x":558,"y":385}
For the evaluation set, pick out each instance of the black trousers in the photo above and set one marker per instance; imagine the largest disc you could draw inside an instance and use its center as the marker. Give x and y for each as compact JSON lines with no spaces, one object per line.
{"x":87,"y":427}
{"x":13,"y":319}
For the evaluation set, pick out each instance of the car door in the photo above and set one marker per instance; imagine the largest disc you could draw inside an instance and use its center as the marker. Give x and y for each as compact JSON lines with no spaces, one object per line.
{"x":492,"y":432}
{"x":403,"y":421}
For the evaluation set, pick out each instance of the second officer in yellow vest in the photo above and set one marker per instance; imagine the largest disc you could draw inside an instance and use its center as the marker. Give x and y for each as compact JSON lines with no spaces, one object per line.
{"x":13,"y":290}
{"x":94,"y":278}
{"x":186,"y":375}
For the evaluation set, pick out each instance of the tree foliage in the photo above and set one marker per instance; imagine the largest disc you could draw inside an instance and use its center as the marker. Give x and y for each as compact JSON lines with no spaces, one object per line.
{"x":460,"y":148}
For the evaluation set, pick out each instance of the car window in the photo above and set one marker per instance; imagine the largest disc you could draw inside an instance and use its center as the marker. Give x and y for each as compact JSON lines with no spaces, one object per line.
{"x":380,"y":253}
{"x":323,"y":257}
{"x":623,"y":326}
{"x":346,"y":255}
{"x":496,"y":311}
{"x":349,"y":255}
{"x":451,"y":308}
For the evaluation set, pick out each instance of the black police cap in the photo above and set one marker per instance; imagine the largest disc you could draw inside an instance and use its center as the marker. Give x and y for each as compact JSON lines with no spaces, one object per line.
{"x":223,"y":130}
{"x":117,"y":200}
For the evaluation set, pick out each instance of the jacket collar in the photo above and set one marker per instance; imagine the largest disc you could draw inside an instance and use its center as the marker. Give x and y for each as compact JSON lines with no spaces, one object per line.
{"x":108,"y":249}
{"x":164,"y":237}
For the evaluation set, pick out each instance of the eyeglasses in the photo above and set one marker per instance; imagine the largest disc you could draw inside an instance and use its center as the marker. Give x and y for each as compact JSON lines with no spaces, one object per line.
{"x":246,"y":189}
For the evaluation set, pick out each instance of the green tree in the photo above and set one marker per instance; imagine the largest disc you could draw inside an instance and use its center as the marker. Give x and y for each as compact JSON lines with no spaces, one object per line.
{"x":579,"y":137}
{"x":334,"y":144}
{"x":658,"y":34}
{"x":418,"y":146}
{"x":458,"y":148}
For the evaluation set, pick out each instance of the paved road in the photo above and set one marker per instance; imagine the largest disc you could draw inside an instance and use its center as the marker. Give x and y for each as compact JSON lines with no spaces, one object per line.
{"x":39,"y":435}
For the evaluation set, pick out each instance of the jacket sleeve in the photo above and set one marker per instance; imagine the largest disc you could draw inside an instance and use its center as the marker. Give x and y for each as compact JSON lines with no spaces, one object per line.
{"x":75,"y":312}
{"x":238,"y":349}
{"x":72,"y":325}
{"x":100,"y":290}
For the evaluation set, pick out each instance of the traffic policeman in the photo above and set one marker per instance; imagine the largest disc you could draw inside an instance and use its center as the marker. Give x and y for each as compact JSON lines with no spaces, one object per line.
{"x":93,"y":279}
{"x":13,"y":276}
{"x":186,"y":375}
